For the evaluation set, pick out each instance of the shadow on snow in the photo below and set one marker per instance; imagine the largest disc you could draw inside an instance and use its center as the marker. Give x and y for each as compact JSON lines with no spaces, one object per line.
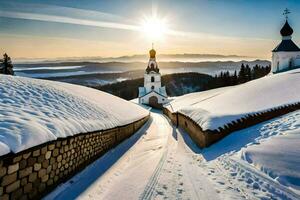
{"x":80,"y":182}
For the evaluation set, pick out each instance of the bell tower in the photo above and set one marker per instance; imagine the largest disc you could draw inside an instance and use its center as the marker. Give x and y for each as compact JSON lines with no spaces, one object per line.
{"x":152,"y":77}
{"x":152,"y":93}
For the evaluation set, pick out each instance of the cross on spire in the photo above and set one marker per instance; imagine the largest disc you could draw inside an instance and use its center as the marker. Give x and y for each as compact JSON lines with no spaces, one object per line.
{"x":152,"y":45}
{"x":286,"y":12}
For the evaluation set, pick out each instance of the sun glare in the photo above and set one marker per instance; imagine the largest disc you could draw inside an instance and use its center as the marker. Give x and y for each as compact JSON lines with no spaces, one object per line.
{"x":154,"y":28}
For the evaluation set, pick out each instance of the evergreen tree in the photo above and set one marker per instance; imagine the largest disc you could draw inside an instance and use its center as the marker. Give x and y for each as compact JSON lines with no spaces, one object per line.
{"x":247,"y":73}
{"x":234,"y":78}
{"x":6,"y":66}
{"x":242,"y":74}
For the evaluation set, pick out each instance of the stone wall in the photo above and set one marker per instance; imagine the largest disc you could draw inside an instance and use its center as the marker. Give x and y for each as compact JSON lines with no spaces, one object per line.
{"x":208,"y":137}
{"x":32,"y":173}
{"x":172,"y":116}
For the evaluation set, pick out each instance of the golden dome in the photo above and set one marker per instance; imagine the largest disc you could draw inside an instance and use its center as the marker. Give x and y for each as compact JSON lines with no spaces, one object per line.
{"x":152,"y":53}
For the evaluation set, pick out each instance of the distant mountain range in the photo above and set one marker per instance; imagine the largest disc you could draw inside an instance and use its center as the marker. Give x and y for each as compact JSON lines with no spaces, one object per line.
{"x":99,"y":73}
{"x":186,"y":57}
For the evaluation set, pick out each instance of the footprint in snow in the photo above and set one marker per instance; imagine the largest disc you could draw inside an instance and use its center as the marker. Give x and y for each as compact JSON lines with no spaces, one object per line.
{"x":221,"y":182}
{"x":180,"y":191}
{"x":255,"y":186}
{"x":249,"y":181}
{"x":233,"y":173}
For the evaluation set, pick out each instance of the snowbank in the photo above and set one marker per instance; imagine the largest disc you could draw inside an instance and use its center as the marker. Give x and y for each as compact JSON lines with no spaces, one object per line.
{"x":215,"y":108}
{"x":278,"y":156}
{"x":34,"y":111}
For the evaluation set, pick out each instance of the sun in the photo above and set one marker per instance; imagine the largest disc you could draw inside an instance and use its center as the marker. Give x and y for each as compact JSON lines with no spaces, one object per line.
{"x":154,"y":28}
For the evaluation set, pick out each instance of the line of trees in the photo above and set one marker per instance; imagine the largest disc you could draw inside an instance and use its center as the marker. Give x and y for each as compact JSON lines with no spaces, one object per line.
{"x":244,"y":75}
{"x":6,"y":66}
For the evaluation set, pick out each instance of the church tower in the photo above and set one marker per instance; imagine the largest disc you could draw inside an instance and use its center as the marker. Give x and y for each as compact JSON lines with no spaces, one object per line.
{"x":286,"y":55}
{"x":152,"y":93}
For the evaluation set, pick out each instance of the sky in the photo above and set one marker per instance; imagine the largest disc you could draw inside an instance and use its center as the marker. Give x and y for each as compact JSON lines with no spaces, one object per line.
{"x":74,"y":28}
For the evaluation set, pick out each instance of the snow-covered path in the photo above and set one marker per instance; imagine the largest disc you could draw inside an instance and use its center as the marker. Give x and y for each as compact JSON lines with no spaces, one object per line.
{"x":156,"y":163}
{"x":161,"y":162}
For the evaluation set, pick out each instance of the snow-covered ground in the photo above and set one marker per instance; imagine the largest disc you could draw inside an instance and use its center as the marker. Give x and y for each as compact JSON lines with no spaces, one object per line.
{"x":278,"y":156}
{"x":263,"y":160}
{"x":215,"y":108}
{"x":35,"y":111}
{"x":162,"y":162}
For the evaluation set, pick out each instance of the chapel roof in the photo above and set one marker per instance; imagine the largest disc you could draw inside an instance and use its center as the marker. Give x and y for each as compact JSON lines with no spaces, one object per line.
{"x":286,"y":30}
{"x":286,"y":45}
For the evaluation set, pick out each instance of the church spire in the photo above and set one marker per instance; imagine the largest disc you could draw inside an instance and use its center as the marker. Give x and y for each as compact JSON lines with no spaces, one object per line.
{"x":286,"y":31}
{"x":152,"y":52}
{"x":152,"y":64}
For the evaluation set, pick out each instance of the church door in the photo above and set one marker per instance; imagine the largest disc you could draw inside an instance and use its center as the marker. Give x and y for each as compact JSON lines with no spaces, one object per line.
{"x":153,"y":101}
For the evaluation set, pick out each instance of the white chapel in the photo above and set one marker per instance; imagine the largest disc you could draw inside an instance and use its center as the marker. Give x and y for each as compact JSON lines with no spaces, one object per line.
{"x":152,"y":93}
{"x":286,"y":55}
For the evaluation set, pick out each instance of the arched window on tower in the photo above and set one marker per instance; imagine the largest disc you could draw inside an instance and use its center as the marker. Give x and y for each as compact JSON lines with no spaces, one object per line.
{"x":152,"y":78}
{"x":152,"y":66}
{"x":152,"y":87}
{"x":277,"y":66}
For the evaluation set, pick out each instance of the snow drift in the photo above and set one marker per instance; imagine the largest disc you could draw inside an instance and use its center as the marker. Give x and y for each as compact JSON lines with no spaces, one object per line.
{"x":274,"y":158}
{"x":215,"y":108}
{"x":34,"y":111}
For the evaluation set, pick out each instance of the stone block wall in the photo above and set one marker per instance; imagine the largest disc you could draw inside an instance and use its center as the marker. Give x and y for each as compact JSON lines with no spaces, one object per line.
{"x":193,"y":129}
{"x":32,"y":173}
{"x":208,"y":137}
{"x":172,"y":116}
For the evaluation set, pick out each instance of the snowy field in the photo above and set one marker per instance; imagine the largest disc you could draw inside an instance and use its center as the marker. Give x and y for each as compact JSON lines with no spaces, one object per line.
{"x":35,"y":111}
{"x":215,"y":108}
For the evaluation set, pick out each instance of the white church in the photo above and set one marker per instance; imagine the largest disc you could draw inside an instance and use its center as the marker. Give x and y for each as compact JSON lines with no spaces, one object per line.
{"x":152,"y":93}
{"x":286,"y":55}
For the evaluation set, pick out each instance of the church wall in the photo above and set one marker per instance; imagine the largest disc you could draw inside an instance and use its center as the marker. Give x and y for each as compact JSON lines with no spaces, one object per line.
{"x":297,"y":60}
{"x":284,"y":60}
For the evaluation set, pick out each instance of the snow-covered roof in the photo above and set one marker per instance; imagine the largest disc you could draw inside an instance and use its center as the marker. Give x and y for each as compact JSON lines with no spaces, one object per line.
{"x":142,"y":91}
{"x":151,"y":93}
{"x":35,"y":111}
{"x":215,"y":108}
{"x":162,"y":91}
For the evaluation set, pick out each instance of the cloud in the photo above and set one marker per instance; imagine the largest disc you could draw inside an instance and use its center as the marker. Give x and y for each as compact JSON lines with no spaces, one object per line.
{"x":60,"y":14}
{"x":68,"y":20}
